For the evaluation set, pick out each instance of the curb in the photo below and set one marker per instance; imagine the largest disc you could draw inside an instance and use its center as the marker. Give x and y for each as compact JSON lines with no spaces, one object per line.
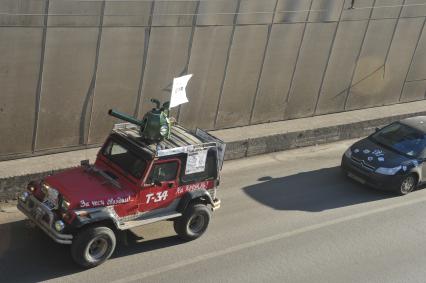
{"x":296,"y":139}
{"x":272,"y":137}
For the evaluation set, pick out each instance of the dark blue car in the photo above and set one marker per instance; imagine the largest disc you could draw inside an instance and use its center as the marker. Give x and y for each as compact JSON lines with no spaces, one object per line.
{"x":393,"y":158}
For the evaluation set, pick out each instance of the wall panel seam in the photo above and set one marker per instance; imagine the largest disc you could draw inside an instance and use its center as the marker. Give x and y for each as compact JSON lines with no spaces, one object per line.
{"x":393,"y":37}
{"x":144,"y":60}
{"x":40,"y":78}
{"x":188,"y":58}
{"x":226,"y":63}
{"x":328,"y":59}
{"x":357,"y":58}
{"x":412,"y":60}
{"x":90,"y":96}
{"x":263,"y":64}
{"x":287,"y":99}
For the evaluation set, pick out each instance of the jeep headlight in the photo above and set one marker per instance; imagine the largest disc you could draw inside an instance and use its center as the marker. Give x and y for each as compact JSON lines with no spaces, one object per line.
{"x":388,"y":171}
{"x":45,"y":188}
{"x":164,"y":130}
{"x":24,"y":196}
{"x":59,"y":225}
{"x":31,"y":188}
{"x":348,"y":153}
{"x":65,"y":204}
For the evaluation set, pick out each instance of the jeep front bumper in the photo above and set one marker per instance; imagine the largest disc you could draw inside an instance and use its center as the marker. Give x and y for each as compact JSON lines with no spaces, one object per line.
{"x":43,"y":217}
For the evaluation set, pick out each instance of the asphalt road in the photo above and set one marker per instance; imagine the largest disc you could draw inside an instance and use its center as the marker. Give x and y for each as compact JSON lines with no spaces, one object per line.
{"x":285,"y":217}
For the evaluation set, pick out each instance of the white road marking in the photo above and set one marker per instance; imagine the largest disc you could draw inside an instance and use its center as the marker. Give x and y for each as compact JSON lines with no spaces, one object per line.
{"x":180,"y":264}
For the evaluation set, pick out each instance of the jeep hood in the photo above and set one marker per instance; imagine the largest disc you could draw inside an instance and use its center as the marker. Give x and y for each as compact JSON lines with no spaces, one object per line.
{"x":86,"y":189}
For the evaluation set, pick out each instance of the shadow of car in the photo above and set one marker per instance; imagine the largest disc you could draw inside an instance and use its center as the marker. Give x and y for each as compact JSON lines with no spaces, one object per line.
{"x":312,"y":191}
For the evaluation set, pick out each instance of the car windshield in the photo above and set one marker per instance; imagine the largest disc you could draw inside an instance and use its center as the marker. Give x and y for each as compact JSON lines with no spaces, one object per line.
{"x":125,"y":159}
{"x":401,"y":138}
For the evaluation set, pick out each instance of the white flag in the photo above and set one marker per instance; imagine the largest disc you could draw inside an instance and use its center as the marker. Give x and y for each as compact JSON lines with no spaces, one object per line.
{"x":178,"y":91}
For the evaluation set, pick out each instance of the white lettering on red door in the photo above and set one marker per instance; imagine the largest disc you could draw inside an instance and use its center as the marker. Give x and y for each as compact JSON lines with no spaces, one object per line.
{"x":157,"y":197}
{"x":84,"y":203}
{"x":118,"y":200}
{"x":110,"y":201}
{"x":191,"y":188}
{"x":98,"y":203}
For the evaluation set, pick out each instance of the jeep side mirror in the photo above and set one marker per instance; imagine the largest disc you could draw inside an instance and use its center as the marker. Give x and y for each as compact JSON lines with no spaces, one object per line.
{"x":85,"y":163}
{"x":153,"y":182}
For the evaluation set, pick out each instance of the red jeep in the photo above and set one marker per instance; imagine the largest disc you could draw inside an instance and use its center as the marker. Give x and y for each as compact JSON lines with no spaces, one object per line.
{"x":132,"y":183}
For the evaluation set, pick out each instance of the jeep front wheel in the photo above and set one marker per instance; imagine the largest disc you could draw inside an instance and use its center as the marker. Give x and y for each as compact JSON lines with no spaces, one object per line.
{"x":92,"y":246}
{"x":193,"y":223}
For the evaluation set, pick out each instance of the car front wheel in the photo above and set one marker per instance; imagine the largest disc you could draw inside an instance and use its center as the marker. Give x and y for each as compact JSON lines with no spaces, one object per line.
{"x":92,"y":246}
{"x":408,"y":184}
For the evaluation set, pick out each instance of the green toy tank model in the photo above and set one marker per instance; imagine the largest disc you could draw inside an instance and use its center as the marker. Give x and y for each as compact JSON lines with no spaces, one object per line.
{"x":155,"y":125}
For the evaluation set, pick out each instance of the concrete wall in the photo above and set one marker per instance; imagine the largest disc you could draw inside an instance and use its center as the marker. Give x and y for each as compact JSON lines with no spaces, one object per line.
{"x":63,"y":64}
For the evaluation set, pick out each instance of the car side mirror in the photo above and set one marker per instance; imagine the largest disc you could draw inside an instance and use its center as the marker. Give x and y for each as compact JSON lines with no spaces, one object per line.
{"x":376,"y":130}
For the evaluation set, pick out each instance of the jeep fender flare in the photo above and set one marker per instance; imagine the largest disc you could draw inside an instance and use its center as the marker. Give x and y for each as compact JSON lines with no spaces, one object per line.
{"x":202,"y":195}
{"x":96,"y":215}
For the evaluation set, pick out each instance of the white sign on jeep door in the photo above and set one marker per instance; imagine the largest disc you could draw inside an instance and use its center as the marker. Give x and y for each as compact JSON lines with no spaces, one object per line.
{"x":196,"y":162}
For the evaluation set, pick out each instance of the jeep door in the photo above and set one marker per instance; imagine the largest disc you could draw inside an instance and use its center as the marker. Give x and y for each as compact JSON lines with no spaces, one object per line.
{"x":162,"y":182}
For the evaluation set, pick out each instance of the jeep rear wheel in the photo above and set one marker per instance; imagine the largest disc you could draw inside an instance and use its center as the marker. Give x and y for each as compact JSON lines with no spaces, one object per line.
{"x":93,"y":246}
{"x":193,"y":223}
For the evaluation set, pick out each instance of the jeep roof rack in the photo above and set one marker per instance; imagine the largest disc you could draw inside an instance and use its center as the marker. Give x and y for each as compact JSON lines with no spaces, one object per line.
{"x":181,"y":141}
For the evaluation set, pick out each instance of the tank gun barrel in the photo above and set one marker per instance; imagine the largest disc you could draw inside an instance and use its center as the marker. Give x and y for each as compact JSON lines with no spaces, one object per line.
{"x":125,"y":117}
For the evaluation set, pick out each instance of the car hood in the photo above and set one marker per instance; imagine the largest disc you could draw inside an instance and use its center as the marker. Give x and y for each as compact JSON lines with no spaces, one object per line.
{"x":376,"y":155}
{"x":87,"y":189}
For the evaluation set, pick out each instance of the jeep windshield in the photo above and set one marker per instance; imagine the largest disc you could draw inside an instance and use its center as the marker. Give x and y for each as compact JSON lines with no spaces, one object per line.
{"x":128,"y":161}
{"x":402,"y":139}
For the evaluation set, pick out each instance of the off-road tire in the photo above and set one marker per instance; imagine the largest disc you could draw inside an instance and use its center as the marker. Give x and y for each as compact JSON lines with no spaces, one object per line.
{"x":92,"y":246}
{"x":408,"y":184}
{"x":193,"y":223}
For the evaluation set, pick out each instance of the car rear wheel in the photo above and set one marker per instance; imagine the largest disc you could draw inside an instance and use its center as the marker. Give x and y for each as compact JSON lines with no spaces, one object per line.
{"x":193,"y":223}
{"x":92,"y":246}
{"x":408,"y":184}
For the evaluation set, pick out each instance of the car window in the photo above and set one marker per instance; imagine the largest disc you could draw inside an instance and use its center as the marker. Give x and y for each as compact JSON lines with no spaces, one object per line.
{"x":163,"y":172}
{"x":125,"y":159}
{"x":402,"y":138}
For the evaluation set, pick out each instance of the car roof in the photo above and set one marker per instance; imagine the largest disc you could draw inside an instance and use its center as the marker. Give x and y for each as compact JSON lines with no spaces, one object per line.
{"x":418,"y":123}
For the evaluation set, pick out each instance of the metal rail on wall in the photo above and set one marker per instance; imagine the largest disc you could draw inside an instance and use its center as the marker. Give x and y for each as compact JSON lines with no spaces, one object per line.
{"x":352,"y":7}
